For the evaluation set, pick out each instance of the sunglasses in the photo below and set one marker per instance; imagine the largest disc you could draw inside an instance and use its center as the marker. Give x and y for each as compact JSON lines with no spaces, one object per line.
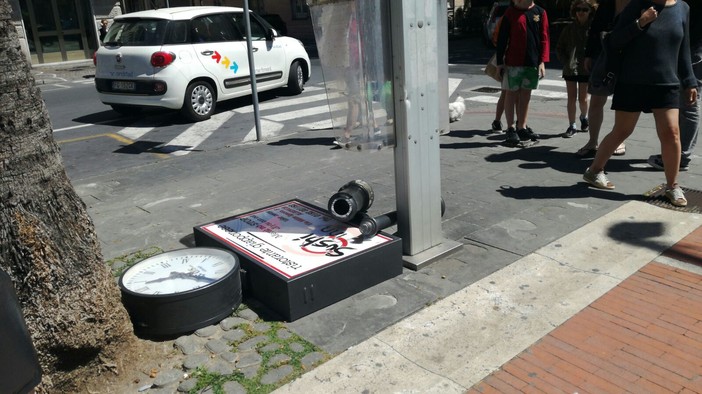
{"x":582,"y":10}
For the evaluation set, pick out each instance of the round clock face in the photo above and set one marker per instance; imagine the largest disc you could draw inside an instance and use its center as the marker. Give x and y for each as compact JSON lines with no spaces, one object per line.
{"x":178,"y":271}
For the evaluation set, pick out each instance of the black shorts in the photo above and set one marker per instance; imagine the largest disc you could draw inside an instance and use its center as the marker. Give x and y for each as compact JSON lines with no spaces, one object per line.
{"x":643,"y":98}
{"x":577,"y":78}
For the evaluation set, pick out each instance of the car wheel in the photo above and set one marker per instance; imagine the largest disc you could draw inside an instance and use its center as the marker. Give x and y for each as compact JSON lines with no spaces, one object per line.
{"x":199,"y":102}
{"x":296,"y":78}
{"x":126,"y":110}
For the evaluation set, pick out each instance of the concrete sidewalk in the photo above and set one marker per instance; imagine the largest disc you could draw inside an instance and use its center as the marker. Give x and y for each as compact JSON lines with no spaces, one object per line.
{"x":457,"y":342}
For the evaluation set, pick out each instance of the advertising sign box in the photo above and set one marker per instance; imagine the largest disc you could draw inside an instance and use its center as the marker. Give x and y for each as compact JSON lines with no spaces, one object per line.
{"x":298,"y":259}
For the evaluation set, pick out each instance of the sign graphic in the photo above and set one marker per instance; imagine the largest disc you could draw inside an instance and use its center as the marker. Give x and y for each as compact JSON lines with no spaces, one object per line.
{"x":292,"y":238}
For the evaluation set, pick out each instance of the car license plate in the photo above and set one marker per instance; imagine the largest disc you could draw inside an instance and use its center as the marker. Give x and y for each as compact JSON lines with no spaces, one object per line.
{"x":123,"y":85}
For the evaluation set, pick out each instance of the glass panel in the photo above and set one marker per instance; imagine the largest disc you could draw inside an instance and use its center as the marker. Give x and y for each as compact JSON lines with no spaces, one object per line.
{"x":136,"y":32}
{"x":258,"y":32}
{"x":49,"y":44}
{"x":73,"y":42}
{"x":353,"y":40}
{"x":67,"y":14}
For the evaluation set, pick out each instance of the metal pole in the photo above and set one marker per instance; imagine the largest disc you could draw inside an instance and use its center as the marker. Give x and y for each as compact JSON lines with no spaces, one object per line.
{"x":420,"y":59}
{"x":252,"y":70}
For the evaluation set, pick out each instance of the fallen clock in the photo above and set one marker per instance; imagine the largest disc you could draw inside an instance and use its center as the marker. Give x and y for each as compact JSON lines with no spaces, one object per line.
{"x":182,"y":290}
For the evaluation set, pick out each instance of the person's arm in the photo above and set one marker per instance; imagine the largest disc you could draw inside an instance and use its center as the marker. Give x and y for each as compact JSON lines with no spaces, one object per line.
{"x":545,"y":39}
{"x":685,"y":74}
{"x":631,"y":22}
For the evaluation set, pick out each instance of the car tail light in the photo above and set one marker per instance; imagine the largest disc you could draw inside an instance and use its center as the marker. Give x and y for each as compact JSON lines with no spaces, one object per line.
{"x":162,"y":59}
{"x":95,"y":58}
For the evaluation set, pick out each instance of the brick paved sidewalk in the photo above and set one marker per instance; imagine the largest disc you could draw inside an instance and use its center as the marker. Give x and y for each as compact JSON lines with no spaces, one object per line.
{"x":645,"y":335}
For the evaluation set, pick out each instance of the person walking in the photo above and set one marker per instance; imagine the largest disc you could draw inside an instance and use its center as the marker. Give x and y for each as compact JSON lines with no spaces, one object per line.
{"x":655,"y":66}
{"x":522,"y":52}
{"x":103,"y":30}
{"x":689,"y":114}
{"x":603,"y":22}
{"x":570,"y":50}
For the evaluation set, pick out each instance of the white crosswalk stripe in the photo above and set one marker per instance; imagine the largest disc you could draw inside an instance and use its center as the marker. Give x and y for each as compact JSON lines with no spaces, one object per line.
{"x":313,"y":110}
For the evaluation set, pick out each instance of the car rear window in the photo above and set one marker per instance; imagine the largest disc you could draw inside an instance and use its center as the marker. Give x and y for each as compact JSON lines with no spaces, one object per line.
{"x":136,"y":32}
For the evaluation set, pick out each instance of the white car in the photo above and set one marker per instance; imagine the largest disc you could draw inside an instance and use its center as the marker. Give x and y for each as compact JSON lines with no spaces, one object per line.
{"x":190,"y":58}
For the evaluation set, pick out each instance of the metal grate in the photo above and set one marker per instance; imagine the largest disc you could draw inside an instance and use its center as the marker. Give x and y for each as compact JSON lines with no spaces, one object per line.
{"x":656,"y":197}
{"x":486,"y":89}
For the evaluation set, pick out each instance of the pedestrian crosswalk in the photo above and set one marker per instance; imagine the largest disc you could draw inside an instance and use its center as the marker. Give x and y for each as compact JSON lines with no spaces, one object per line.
{"x":312,"y":110}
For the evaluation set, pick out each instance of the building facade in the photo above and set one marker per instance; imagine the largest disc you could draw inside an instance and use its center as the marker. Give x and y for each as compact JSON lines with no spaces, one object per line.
{"x":53,"y":31}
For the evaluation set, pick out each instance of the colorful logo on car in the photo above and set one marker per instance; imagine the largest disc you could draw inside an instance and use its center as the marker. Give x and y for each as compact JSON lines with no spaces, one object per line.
{"x":225,"y":62}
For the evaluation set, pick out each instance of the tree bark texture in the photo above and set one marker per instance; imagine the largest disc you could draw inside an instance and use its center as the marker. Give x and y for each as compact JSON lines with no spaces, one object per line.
{"x":48,"y":244}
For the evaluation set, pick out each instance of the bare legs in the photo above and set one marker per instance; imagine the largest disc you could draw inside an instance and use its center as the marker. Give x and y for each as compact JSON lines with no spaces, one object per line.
{"x":669,"y":134}
{"x":666,"y":120}
{"x":624,"y":123}
{"x":572,"y":92}
{"x":595,"y":114}
{"x":522,"y":97}
{"x":582,"y":98}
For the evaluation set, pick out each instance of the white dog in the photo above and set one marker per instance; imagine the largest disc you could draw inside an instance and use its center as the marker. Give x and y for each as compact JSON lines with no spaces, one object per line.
{"x":456,"y":109}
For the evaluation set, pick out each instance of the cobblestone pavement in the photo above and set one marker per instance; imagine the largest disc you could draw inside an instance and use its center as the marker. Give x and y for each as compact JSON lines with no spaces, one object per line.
{"x":241,"y":351}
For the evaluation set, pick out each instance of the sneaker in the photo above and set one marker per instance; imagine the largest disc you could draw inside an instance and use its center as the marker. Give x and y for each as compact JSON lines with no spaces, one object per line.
{"x":676,"y":196}
{"x":527,"y":134}
{"x":569,"y":133}
{"x":512,"y":137}
{"x":497,"y":126}
{"x":584,"y":123}
{"x":656,"y":161}
{"x":598,"y":180}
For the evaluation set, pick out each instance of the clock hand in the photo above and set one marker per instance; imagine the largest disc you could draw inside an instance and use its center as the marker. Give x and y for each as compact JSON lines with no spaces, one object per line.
{"x":182,"y":275}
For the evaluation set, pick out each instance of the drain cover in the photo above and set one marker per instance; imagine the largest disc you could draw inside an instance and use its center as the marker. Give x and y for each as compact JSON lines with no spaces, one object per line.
{"x":486,"y":89}
{"x":656,"y":197}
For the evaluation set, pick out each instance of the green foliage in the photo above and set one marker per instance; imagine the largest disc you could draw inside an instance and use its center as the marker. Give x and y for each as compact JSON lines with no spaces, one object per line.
{"x":119,"y":264}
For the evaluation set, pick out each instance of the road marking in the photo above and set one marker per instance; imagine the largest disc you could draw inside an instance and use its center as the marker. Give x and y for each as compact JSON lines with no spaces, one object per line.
{"x":552,"y":82}
{"x":194,"y":135}
{"x":90,"y":137}
{"x":268,"y":128}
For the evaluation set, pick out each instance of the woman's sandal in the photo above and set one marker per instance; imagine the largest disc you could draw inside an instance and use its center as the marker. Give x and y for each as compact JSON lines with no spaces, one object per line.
{"x":586,"y":152}
{"x":620,"y":151}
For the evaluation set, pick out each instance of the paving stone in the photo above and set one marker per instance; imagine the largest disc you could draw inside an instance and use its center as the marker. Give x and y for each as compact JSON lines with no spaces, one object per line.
{"x":187,"y":385}
{"x":271,"y":347}
{"x":278,"y":359}
{"x":311,"y":359}
{"x":229,"y":357}
{"x":249,"y":372}
{"x":207,"y":332}
{"x":251,"y":343}
{"x":248,"y":314}
{"x":194,"y":361}
{"x":277,"y":374}
{"x":231,"y":322}
{"x":262,"y":327}
{"x":296,"y":347}
{"x":217,"y":346}
{"x":220,"y":366}
{"x":234,"y":335}
{"x":247,"y":359}
{"x":233,"y":388}
{"x":187,"y":345}
{"x":284,"y":333}
{"x":167,"y":377}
